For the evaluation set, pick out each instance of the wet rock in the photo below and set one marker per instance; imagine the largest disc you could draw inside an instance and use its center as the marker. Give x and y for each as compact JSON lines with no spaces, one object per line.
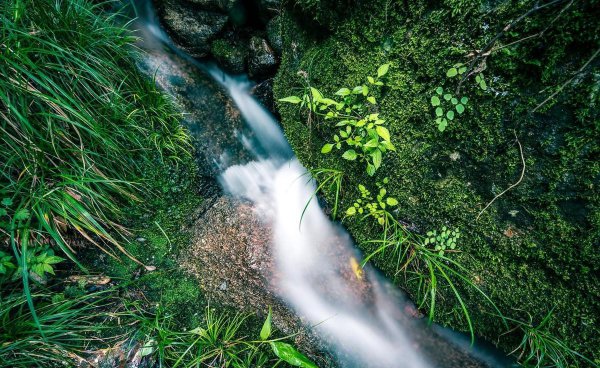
{"x":222,"y":5}
{"x":270,"y":5}
{"x":274,"y":34}
{"x":264,"y":93}
{"x":231,"y":56}
{"x":193,"y":29}
{"x":262,"y":61}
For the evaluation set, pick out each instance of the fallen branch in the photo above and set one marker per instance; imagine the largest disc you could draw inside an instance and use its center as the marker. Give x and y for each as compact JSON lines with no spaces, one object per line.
{"x":513,"y":185}
{"x":567,"y":82}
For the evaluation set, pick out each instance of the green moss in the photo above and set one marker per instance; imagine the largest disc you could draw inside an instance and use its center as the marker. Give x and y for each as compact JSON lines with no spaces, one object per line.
{"x":546,"y":255}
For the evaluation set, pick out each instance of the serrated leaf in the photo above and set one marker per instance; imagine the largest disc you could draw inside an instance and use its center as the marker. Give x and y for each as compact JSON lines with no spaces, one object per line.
{"x":435,"y":101}
{"x":7,"y":202}
{"x":290,"y":355}
{"x":371,"y":170}
{"x":383,"y":70}
{"x":376,"y":159}
{"x":350,"y":155}
{"x":291,"y":99}
{"x":383,"y":132}
{"x":22,"y":214}
{"x":265,"y":331}
{"x":327,"y":148}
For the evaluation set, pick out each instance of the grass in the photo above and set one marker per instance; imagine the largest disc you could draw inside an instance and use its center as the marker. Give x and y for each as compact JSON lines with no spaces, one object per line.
{"x":539,"y":347}
{"x":77,"y":123}
{"x":69,"y":327}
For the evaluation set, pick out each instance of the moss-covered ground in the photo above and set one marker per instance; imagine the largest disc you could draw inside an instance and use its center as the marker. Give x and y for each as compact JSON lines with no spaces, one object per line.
{"x":535,"y":249}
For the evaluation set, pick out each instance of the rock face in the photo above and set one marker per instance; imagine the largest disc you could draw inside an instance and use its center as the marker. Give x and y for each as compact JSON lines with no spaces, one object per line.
{"x":192,"y":28}
{"x":262,"y":61}
{"x":242,"y":36}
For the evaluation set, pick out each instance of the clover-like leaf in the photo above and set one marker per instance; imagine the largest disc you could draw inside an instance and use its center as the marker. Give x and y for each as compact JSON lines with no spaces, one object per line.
{"x":450,"y":115}
{"x":435,"y":101}
{"x":464,"y":100}
{"x":451,"y":72}
{"x":447,"y":97}
{"x":460,"y":108}
{"x":439,"y":111}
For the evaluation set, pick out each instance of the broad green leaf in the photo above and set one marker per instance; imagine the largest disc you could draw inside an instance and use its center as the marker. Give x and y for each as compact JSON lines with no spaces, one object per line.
{"x":439,"y":111}
{"x":483,"y":85}
{"x":371,"y":80}
{"x":290,"y":355}
{"x":372,"y":100}
{"x":391,"y":201}
{"x":351,"y":211}
{"x":450,"y":115}
{"x":357,"y":90}
{"x":316,"y":94}
{"x":451,"y":72}
{"x":376,"y":159}
{"x":371,"y":170}
{"x":460,"y":108}
{"x":439,"y":90}
{"x":365,"y":90}
{"x":435,"y":101}
{"x":291,"y":99}
{"x":383,"y":70}
{"x":454,"y":101}
{"x":327,"y":148}
{"x":383,"y":132}
{"x":447,"y":97}
{"x":464,"y":100}
{"x":265,"y":331}
{"x":343,"y":92}
{"x":461,"y":70}
{"x":350,"y":155}
{"x":372,"y":143}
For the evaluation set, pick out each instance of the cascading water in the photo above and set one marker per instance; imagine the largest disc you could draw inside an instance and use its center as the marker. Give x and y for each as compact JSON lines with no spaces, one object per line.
{"x":357,"y":313}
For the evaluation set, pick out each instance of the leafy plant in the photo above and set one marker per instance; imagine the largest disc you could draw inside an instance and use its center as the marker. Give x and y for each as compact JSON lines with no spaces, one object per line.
{"x":377,"y":207}
{"x":6,"y":263}
{"x":446,"y":239}
{"x":41,"y":261}
{"x":445,"y":104}
{"x":361,"y":133}
{"x":330,"y":179}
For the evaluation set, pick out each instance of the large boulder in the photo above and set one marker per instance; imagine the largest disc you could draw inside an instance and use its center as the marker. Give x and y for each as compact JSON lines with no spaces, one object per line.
{"x":230,"y":55}
{"x":262,"y":61}
{"x":190,"y":27}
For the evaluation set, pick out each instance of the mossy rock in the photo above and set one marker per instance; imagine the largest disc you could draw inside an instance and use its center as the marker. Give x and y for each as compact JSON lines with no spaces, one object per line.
{"x":535,"y":248}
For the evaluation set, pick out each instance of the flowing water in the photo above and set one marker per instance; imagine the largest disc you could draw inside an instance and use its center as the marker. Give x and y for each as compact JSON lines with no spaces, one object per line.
{"x":364,"y":320}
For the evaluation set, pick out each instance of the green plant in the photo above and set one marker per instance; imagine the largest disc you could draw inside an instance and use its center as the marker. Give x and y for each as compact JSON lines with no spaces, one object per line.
{"x":539,"y":347}
{"x":329,"y":179}
{"x":445,"y":240}
{"x":361,"y":133}
{"x":78,"y":121}
{"x":217,"y":342}
{"x":377,"y":207}
{"x":69,"y":326}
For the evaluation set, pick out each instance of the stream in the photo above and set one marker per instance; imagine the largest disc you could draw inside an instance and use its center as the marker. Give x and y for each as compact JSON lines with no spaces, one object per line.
{"x":361,"y":318}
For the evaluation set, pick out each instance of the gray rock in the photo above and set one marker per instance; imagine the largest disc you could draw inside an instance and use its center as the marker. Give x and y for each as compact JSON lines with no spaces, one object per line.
{"x":221,"y":5}
{"x":274,"y":34}
{"x":193,"y":29}
{"x":262,"y":61}
{"x":231,"y":56}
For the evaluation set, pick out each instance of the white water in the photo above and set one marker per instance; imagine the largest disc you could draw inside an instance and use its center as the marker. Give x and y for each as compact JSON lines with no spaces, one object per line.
{"x":360,"y":316}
